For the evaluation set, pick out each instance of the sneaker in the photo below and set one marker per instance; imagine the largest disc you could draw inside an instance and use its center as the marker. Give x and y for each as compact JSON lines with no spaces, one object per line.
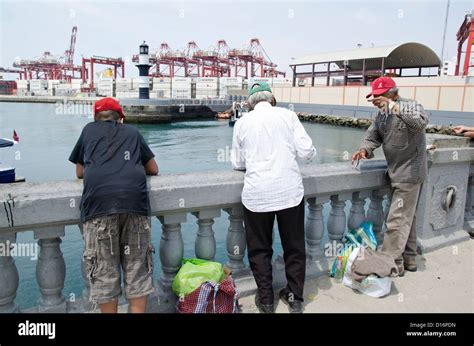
{"x":294,"y":306}
{"x":263,"y":308}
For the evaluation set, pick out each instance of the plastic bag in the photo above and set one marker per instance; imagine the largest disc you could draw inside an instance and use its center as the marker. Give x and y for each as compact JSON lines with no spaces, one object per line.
{"x":193,"y":273}
{"x":368,"y":229}
{"x":345,"y":256}
{"x":366,"y":236}
{"x":372,"y":285}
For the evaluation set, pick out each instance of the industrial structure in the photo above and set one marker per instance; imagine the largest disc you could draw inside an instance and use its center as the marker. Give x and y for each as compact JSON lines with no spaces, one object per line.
{"x":49,"y":66}
{"x":362,"y":65}
{"x":87,"y":70}
{"x":221,"y":61}
{"x":62,"y":69}
{"x":465,"y":33}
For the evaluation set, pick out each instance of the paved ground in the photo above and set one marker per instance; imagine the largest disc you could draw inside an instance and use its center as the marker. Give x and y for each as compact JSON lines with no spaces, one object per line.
{"x":444,"y":283}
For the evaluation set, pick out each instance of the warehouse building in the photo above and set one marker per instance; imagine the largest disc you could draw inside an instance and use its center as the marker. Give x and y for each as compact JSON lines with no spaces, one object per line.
{"x":362,"y":65}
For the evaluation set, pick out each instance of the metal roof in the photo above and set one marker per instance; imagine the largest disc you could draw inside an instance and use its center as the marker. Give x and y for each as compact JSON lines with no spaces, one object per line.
{"x":405,"y":55}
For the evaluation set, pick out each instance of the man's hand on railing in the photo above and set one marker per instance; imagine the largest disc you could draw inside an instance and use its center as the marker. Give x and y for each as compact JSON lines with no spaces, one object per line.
{"x":359,"y":154}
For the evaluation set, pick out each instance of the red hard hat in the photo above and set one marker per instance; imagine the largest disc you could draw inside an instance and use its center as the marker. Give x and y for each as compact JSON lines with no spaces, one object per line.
{"x":381,"y":85}
{"x":108,"y":104}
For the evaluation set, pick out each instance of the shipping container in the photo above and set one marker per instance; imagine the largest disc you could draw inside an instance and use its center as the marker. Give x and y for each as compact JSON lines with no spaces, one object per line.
{"x":253,"y":80}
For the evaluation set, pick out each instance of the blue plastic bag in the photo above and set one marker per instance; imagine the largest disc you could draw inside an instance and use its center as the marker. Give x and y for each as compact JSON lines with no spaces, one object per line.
{"x":368,"y":229}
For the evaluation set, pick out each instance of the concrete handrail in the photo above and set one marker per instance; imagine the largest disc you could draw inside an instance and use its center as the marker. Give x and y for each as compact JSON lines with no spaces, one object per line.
{"x":38,"y":205}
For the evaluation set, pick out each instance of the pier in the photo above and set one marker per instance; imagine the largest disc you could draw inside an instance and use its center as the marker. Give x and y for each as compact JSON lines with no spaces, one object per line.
{"x":46,"y":208}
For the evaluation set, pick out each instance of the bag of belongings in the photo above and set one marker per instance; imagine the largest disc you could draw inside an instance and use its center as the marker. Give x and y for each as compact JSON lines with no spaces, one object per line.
{"x":365,"y":269}
{"x":370,"y":272}
{"x":363,"y":236}
{"x":205,"y":287}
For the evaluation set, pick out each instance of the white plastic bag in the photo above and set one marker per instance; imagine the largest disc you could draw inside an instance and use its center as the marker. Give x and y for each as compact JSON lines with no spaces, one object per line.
{"x":372,"y":285}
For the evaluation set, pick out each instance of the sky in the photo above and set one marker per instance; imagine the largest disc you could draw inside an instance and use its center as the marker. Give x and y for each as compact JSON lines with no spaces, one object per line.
{"x":286,"y":29}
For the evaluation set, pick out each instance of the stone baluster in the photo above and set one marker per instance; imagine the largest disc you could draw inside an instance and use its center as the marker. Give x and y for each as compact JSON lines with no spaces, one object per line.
{"x":9,"y":278}
{"x":171,"y":256}
{"x":375,"y":214}
{"x":50,"y":270}
{"x":171,"y":247}
{"x":357,"y":212}
{"x":337,"y":217}
{"x":386,"y":210}
{"x":314,"y":228}
{"x":205,"y":245}
{"x":235,"y":241}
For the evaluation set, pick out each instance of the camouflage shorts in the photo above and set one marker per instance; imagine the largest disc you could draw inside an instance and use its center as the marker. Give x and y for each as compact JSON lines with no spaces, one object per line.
{"x":116,"y":243}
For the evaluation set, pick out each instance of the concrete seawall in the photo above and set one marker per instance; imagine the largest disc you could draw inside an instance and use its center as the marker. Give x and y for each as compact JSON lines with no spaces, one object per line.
{"x":154,"y":114}
{"x":363,"y":123}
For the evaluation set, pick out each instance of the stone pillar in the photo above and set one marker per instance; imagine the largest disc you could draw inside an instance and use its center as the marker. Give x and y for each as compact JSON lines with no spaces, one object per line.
{"x":314,"y":228}
{"x":9,"y":279}
{"x":386,"y":210}
{"x":235,"y":241}
{"x":205,"y":245}
{"x":171,"y":256}
{"x":337,"y":217}
{"x":171,"y":247}
{"x":51,"y":270}
{"x":375,"y":214}
{"x":441,"y":208}
{"x":357,"y":212}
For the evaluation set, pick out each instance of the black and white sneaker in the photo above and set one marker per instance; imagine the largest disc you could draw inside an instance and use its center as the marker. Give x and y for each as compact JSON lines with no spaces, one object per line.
{"x":264,"y":308}
{"x":294,"y":306}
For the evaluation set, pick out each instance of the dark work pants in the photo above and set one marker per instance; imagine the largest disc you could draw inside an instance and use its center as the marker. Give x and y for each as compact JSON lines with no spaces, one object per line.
{"x":258,"y":230}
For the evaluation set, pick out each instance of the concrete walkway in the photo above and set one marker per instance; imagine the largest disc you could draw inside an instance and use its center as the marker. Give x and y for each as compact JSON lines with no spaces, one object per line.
{"x":444,"y":283}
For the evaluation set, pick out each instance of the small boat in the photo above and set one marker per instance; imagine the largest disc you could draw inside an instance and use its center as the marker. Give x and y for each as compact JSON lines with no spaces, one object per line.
{"x":7,"y":172}
{"x":223,"y":115}
{"x":239,"y":109}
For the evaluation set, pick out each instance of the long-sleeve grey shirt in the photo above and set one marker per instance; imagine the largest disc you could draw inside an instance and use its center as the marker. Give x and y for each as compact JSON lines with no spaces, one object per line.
{"x":403,"y":140}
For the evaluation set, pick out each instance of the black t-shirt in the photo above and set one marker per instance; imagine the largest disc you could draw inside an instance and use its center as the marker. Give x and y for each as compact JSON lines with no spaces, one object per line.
{"x":113,"y":156}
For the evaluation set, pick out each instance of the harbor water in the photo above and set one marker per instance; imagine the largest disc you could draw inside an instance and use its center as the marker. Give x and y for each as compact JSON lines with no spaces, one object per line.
{"x":48,"y":136}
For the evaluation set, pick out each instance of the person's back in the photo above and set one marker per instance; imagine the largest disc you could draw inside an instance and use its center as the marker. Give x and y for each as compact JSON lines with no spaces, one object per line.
{"x":114,"y":177}
{"x":271,"y":140}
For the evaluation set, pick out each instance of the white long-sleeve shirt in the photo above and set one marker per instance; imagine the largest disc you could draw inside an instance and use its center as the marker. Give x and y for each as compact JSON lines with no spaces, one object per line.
{"x":266,"y":143}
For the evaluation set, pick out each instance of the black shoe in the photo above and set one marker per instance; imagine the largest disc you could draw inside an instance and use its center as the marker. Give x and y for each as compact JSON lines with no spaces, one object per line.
{"x":264,"y":308}
{"x":471,"y":234}
{"x":294,"y":306}
{"x":411,"y":267}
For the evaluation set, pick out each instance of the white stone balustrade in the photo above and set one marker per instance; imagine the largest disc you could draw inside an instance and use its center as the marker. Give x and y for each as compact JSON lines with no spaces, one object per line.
{"x":337,"y":196}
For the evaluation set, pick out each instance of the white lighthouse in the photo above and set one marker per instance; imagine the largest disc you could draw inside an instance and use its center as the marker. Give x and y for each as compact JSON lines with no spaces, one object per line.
{"x":143,"y":67}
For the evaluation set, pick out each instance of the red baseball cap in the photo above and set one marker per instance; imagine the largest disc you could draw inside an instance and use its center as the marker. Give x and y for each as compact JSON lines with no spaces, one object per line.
{"x":108,"y":104}
{"x":381,"y":85}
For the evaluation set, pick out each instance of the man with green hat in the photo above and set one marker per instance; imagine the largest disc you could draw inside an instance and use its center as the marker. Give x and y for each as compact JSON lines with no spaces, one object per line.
{"x":266,"y":143}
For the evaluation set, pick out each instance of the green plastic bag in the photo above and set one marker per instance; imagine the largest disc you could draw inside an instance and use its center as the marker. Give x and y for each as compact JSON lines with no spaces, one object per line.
{"x":193,"y":273}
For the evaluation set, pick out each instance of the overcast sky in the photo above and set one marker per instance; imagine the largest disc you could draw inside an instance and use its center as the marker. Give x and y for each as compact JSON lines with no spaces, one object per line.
{"x":285,"y":29}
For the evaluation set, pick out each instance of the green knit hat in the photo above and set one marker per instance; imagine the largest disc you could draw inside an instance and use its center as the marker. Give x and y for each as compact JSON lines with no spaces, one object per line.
{"x":259,"y":86}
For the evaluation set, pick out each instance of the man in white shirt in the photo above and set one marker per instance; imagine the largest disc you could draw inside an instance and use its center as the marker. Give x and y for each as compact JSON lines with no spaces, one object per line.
{"x":266,"y":143}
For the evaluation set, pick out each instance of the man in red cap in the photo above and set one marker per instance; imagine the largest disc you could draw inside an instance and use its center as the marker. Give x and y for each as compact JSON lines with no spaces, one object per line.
{"x":114,"y":159}
{"x":399,"y":128}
